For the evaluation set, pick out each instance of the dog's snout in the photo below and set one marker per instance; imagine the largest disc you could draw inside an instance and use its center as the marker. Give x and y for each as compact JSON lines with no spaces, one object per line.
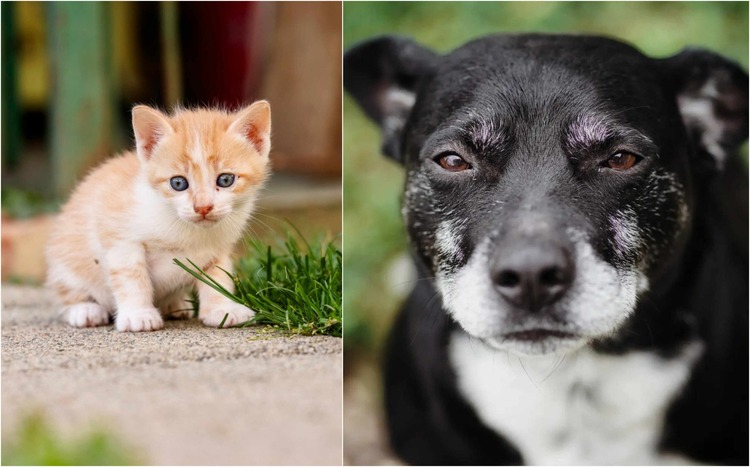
{"x":532,"y":275}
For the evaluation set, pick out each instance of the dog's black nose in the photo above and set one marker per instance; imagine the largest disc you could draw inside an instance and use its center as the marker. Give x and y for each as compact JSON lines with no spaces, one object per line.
{"x":532,"y":275}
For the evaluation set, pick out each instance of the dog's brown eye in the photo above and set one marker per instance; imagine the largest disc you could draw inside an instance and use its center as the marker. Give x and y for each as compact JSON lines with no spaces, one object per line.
{"x":622,"y":161}
{"x":452,"y":162}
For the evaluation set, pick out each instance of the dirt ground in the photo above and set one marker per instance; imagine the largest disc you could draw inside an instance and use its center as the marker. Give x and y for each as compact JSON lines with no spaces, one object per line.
{"x":185,"y":395}
{"x":365,"y":438}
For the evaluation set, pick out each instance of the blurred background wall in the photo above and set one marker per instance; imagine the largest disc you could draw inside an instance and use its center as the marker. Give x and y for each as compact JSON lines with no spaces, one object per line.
{"x":378,"y":270}
{"x":71,"y":72}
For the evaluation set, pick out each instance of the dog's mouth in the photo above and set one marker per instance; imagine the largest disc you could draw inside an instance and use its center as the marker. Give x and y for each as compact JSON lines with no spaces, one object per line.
{"x":537,"y":335}
{"x":536,"y":341}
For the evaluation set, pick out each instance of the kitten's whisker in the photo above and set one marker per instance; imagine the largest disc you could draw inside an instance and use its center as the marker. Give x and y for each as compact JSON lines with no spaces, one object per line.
{"x":254,"y":220}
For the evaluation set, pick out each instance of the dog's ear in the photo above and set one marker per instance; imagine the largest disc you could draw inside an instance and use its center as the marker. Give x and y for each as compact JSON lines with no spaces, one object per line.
{"x":382,"y":75}
{"x":712,"y":95}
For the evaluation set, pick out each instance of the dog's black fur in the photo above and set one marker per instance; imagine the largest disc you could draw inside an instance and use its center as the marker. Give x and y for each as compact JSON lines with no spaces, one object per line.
{"x":531,"y":87}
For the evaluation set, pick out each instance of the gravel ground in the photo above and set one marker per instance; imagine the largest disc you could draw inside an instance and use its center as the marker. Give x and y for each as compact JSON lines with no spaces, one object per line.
{"x":186,"y":395}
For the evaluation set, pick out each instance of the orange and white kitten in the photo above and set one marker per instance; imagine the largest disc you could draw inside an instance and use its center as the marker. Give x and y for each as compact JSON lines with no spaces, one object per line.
{"x":186,"y":192}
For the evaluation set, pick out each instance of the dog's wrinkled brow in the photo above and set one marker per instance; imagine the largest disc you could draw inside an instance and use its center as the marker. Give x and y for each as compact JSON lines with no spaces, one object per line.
{"x":485,"y":135}
{"x":591,"y":131}
{"x":587,"y":130}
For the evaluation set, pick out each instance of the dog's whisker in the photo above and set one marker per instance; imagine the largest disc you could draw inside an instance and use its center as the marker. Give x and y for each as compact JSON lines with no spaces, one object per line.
{"x":433,"y":313}
{"x":520,"y":360}
{"x":555,"y":368}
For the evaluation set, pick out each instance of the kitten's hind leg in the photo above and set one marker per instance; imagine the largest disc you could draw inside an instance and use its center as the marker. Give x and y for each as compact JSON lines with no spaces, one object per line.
{"x":80,"y":310}
{"x":86,"y":314}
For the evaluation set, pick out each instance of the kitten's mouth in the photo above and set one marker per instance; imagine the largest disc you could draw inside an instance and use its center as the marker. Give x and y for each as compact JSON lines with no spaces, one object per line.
{"x":205,"y":221}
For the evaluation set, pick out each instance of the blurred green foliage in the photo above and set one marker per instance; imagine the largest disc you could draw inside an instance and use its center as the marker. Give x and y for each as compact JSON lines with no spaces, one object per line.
{"x":372,"y":184}
{"x":656,"y":28}
{"x":22,"y":204}
{"x":36,"y":443}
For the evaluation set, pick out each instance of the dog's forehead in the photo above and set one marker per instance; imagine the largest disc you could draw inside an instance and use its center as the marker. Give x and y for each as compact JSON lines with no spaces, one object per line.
{"x":558,"y":75}
{"x":595,"y":59}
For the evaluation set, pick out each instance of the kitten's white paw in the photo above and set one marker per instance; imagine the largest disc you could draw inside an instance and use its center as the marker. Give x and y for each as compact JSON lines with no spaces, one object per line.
{"x":235,"y":313}
{"x":88,"y":314}
{"x":139,"y":319}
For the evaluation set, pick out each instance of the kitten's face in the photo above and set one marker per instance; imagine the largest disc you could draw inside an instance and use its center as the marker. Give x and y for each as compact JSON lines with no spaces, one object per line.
{"x":207,"y":164}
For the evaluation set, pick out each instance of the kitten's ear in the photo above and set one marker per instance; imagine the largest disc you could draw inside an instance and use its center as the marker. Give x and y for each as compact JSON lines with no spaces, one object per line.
{"x":150,"y":127}
{"x":254,"y":124}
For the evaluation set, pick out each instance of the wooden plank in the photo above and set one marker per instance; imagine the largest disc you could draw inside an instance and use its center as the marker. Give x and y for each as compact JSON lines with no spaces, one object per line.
{"x":303,"y":84}
{"x":170,"y":40}
{"x":82,"y":107}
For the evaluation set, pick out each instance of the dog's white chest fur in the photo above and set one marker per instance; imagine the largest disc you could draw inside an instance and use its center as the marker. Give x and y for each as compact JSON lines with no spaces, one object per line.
{"x":584,"y":408}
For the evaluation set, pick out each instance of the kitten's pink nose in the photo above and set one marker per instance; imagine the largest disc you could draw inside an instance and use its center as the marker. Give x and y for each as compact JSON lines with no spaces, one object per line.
{"x":203,"y":210}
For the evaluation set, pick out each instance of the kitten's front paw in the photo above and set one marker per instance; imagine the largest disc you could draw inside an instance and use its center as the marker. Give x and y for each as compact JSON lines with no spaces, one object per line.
{"x":235,"y":313}
{"x":139,"y":319}
{"x":88,"y":314}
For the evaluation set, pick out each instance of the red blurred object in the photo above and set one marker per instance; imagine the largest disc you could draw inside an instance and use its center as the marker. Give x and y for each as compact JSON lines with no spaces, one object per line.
{"x":221,"y":45}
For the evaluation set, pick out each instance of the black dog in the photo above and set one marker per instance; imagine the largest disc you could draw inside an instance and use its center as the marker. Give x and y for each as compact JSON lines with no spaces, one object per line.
{"x":579,"y":214}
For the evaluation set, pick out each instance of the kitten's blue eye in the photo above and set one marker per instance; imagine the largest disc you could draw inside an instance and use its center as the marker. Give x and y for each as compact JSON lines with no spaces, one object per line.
{"x":225,"y":180}
{"x":178,"y":183}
